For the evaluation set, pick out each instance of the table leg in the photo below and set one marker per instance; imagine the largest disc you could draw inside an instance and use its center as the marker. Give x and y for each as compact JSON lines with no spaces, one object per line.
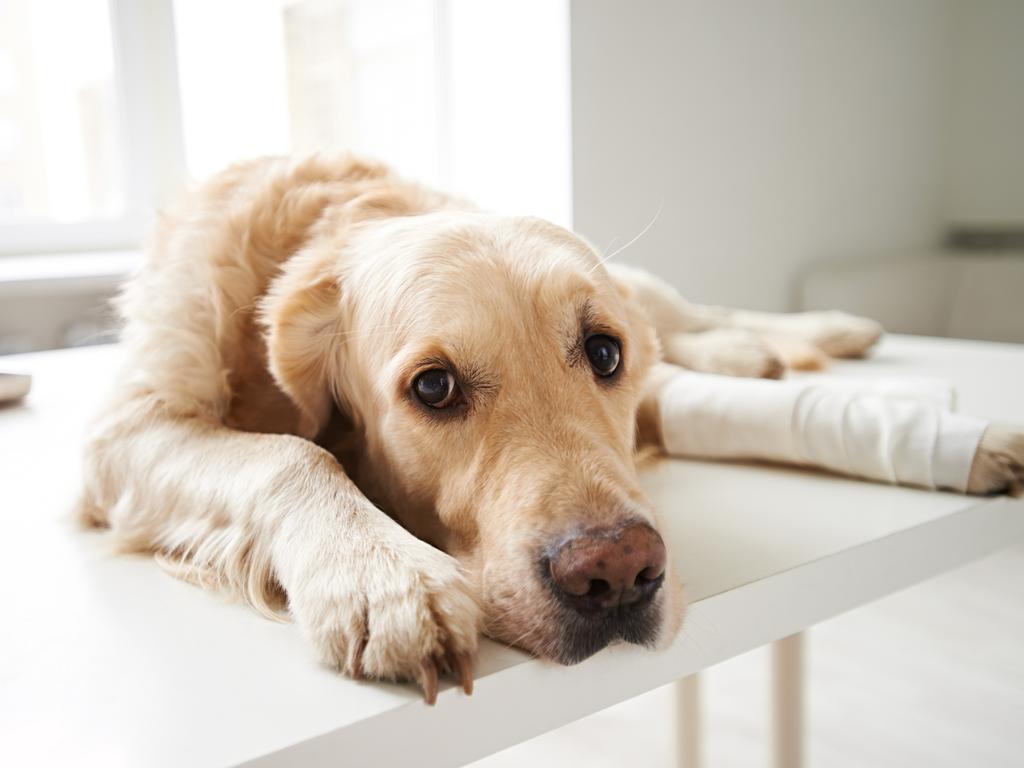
{"x":788,"y":701}
{"x":688,"y":722}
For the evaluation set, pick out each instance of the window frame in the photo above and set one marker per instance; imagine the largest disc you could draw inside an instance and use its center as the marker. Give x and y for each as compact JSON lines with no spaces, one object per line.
{"x":149,"y":132}
{"x":152,"y":138}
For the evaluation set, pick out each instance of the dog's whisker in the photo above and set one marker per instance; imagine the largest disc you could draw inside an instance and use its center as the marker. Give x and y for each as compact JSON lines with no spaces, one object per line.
{"x":507,"y":613}
{"x":611,"y":244}
{"x":364,"y":331}
{"x":644,"y":231}
{"x":250,"y":307}
{"x":519,"y":639}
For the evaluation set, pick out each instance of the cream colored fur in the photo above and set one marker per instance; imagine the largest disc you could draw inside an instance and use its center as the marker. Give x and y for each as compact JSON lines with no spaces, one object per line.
{"x":262,"y":439}
{"x":999,"y":463}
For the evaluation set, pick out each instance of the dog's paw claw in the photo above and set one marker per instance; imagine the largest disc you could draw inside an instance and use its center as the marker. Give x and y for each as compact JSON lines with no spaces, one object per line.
{"x":427,"y":679}
{"x":460,"y":665}
{"x":464,"y":667}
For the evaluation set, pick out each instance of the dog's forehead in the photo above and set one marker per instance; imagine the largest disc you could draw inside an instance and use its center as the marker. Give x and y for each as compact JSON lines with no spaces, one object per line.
{"x":522,"y":280}
{"x":524,"y":252}
{"x":441,"y":268}
{"x":476,"y":286}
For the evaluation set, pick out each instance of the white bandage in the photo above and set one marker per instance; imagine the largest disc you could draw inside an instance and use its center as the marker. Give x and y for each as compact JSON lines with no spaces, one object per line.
{"x":893,"y":439}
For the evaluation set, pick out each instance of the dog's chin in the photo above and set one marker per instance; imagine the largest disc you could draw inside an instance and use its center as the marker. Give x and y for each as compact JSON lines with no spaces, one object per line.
{"x":581,"y":636}
{"x":556,"y":632}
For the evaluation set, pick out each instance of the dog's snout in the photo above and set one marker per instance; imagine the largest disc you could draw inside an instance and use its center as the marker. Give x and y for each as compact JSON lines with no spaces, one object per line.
{"x":599,"y":571}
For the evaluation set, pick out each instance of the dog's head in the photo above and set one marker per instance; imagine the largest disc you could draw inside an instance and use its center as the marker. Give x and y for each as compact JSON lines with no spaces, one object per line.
{"x":480,"y":378}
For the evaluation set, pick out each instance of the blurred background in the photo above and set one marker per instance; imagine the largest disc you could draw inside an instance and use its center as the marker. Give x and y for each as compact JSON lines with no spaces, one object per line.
{"x":860,"y":155}
{"x":108,"y":110}
{"x":785,"y":154}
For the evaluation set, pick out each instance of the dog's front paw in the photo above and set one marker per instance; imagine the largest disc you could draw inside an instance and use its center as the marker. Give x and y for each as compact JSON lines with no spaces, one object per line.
{"x":999,"y":462}
{"x":391,"y":612}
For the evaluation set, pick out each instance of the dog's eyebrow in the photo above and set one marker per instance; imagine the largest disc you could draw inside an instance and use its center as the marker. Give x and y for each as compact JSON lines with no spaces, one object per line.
{"x":590,"y":320}
{"x":586,"y":314}
{"x":470,"y":376}
{"x":574,"y":336}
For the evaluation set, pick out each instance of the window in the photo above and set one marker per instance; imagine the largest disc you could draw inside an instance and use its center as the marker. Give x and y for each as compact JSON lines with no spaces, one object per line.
{"x":59,"y":158}
{"x":108,"y":107}
{"x":308,"y":75}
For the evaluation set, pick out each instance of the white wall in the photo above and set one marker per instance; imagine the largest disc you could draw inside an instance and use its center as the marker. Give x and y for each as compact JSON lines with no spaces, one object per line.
{"x":986,"y":150}
{"x":773,"y":133}
{"x":508,"y":137}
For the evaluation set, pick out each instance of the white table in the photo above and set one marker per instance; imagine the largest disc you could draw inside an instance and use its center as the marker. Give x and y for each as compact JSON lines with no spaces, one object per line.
{"x":105,"y":660}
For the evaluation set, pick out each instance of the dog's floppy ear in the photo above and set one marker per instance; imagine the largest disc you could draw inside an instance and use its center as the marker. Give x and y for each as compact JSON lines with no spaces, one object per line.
{"x":302,"y":316}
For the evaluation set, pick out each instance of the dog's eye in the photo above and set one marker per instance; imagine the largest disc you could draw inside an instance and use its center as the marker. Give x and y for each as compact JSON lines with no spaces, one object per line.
{"x":604,"y":354}
{"x":435,"y":388}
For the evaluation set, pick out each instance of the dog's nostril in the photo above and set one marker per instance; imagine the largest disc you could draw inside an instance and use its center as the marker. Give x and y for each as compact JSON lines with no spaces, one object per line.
{"x":598,"y":587}
{"x":648,"y":575}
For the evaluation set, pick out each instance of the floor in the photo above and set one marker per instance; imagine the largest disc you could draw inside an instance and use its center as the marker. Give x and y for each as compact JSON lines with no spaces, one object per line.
{"x":932,"y":676}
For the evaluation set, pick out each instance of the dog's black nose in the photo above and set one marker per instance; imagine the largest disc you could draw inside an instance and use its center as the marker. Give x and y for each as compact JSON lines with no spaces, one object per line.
{"x":598,"y":571}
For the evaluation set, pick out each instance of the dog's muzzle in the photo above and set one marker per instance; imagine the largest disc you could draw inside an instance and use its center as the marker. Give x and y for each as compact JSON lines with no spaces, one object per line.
{"x":606,"y":582}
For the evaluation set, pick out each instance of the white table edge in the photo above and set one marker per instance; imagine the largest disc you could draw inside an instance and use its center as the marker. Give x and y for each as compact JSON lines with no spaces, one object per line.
{"x":461,"y":729}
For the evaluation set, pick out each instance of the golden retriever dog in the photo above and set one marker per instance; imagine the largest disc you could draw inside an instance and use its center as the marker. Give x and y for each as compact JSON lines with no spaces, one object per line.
{"x":406,"y":422}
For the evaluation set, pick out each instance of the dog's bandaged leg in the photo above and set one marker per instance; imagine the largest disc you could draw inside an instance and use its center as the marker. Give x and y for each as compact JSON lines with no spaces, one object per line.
{"x":894,"y":440}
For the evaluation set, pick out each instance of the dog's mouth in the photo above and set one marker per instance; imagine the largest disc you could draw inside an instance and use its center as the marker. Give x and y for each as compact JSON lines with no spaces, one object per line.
{"x":572,"y":594}
{"x":582,"y":632}
{"x":568,"y":631}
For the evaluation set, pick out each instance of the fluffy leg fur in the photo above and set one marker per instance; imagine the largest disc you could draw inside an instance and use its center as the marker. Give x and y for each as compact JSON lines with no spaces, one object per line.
{"x":185,"y":462}
{"x":271,"y":515}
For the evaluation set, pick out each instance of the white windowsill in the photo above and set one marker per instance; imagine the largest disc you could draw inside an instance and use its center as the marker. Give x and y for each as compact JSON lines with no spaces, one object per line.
{"x":65,"y":272}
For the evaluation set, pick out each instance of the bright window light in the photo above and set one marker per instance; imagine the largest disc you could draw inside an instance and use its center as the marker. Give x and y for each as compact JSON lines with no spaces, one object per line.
{"x":471,"y":96}
{"x":59,"y":148}
{"x":277,"y":76}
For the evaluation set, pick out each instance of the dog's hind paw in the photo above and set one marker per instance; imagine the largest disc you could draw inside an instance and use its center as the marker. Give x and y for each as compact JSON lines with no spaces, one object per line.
{"x":837,"y":334}
{"x":999,"y":462}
